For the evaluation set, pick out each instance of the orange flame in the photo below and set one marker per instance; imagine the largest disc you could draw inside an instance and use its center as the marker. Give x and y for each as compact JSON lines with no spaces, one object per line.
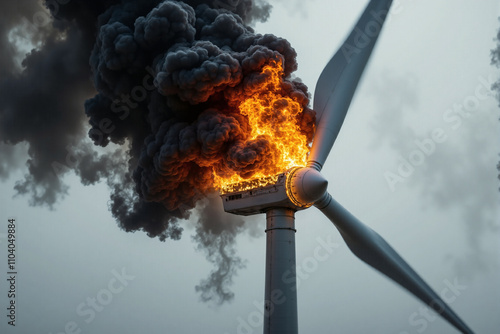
{"x":273,"y":116}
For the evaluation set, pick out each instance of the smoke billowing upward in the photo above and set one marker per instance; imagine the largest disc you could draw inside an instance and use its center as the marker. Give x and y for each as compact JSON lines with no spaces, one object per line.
{"x":159,"y":82}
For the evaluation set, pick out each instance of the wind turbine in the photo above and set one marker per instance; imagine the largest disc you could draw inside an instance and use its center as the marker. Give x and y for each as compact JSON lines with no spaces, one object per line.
{"x":302,"y":187}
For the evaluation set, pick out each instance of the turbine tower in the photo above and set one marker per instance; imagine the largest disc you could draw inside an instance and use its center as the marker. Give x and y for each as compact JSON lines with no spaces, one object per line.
{"x":302,"y":187}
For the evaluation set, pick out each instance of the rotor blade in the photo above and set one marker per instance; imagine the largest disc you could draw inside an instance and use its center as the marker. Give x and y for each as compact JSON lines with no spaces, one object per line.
{"x":370,"y":247}
{"x":339,"y":79}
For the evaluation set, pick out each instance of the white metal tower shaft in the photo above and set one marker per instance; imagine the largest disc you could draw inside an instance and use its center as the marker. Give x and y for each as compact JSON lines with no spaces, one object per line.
{"x":280,"y":309}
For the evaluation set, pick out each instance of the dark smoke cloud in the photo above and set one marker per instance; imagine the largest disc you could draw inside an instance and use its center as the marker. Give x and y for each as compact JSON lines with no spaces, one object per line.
{"x":157,"y":83}
{"x":41,"y":105}
{"x":187,"y":125}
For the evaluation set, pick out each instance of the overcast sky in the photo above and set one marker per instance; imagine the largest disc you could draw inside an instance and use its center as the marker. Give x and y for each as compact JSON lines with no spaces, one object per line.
{"x":441,"y":214}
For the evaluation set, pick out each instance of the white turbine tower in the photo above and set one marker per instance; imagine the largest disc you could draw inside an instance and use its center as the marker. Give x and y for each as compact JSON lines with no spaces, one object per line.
{"x":302,"y":187}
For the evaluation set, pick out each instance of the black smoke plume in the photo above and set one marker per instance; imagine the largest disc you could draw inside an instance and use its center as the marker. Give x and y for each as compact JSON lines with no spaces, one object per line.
{"x":159,"y":80}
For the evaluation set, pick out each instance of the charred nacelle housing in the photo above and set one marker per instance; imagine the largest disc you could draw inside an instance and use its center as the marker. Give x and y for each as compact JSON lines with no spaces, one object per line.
{"x":276,"y":194}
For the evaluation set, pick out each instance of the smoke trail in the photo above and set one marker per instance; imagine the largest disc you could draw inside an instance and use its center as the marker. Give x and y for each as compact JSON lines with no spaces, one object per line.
{"x":215,"y":235}
{"x":457,"y":177}
{"x":165,"y":79}
{"x":495,"y":60}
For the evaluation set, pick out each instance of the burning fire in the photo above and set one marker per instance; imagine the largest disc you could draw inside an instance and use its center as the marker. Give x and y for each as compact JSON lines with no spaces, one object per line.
{"x":274,"y":117}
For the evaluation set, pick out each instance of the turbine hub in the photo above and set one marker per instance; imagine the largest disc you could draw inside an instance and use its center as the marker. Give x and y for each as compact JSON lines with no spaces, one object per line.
{"x":305,"y":186}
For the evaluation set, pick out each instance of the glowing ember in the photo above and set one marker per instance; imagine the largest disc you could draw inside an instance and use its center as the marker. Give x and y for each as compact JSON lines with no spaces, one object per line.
{"x":248,"y":184}
{"x":273,"y":117}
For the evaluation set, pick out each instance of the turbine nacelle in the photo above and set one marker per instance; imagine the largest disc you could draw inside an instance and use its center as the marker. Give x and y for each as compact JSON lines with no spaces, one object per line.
{"x":296,"y":189}
{"x":280,"y":193}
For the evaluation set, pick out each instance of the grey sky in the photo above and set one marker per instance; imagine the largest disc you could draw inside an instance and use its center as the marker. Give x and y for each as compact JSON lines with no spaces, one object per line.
{"x":442,"y":218}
